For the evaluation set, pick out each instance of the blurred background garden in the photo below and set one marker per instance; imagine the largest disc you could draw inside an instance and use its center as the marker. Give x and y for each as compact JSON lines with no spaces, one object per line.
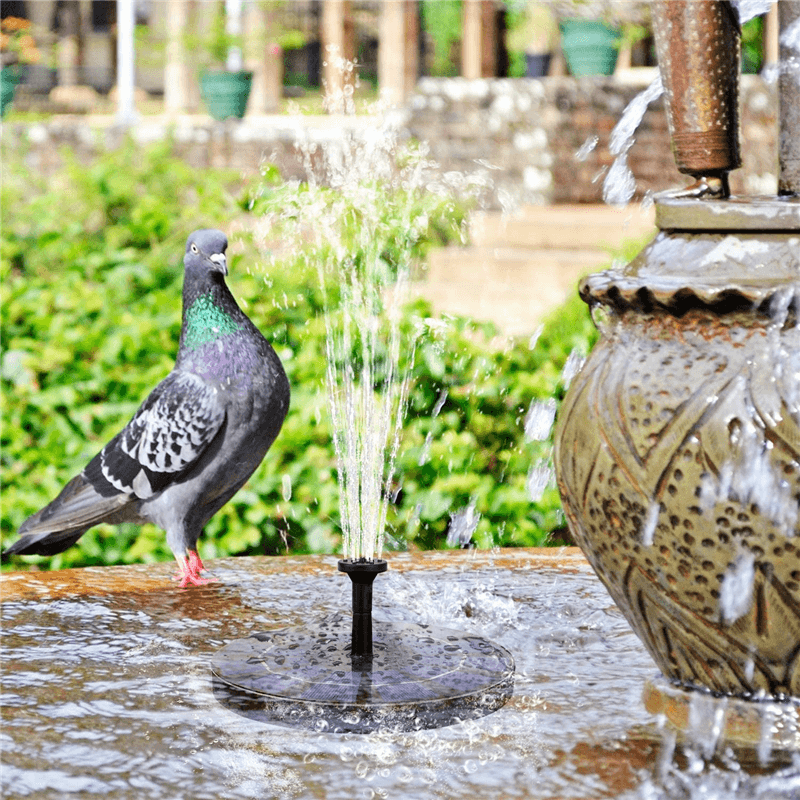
{"x":97,"y":202}
{"x":91,"y":281}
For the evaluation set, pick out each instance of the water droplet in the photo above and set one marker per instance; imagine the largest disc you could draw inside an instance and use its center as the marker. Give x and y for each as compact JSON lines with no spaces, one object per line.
{"x":649,"y":527}
{"x":539,"y":420}
{"x":584,"y":151}
{"x":533,"y":341}
{"x":286,"y":487}
{"x":540,"y":476}
{"x":572,"y":366}
{"x":736,"y":589}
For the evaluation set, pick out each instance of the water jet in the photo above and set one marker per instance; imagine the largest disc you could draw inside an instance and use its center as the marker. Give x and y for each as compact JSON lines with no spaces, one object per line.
{"x":397,"y":676}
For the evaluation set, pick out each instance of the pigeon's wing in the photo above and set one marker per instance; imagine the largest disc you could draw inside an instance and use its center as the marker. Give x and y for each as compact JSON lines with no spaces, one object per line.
{"x":174,"y":427}
{"x":164,"y":440}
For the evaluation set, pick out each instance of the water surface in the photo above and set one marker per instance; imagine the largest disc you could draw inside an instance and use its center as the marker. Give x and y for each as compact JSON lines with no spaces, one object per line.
{"x":106,"y":689}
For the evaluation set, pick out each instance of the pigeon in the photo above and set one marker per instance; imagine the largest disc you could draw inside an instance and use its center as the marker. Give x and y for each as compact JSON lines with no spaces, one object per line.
{"x":196,"y":438}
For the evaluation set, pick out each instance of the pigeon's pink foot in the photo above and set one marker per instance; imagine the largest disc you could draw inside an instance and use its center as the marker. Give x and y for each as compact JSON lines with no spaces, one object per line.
{"x":189,"y":571}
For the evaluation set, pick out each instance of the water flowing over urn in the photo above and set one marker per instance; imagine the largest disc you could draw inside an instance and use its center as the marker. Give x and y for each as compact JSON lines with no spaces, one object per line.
{"x":678,"y":445}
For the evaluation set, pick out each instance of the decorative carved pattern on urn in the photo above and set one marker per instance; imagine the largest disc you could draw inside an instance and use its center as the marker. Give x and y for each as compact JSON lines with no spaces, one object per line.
{"x":678,"y":452}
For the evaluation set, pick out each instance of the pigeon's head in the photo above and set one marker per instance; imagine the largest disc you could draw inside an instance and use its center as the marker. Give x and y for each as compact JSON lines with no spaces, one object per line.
{"x":205,"y":252}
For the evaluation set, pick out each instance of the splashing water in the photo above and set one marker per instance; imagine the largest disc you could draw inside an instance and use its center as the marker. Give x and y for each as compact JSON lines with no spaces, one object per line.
{"x":540,"y":476}
{"x":463,"y":525}
{"x":539,"y":420}
{"x":572,"y":366}
{"x":736,"y":589}
{"x":649,"y":527}
{"x":751,"y":478}
{"x":747,"y":9}
{"x":359,"y":218}
{"x":619,"y":184}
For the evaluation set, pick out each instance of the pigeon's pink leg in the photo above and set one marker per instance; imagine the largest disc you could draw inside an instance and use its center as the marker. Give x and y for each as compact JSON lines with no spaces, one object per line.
{"x":195,"y":564}
{"x":189,"y":571}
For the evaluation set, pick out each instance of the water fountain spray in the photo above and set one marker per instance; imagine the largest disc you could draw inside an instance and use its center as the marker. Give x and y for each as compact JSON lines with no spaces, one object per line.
{"x":330,"y":675}
{"x":678,"y":445}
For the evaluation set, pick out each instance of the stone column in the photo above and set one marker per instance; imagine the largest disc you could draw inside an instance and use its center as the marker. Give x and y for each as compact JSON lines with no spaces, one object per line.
{"x":771,"y":36}
{"x":41,"y":16}
{"x":264,"y":57}
{"x":177,"y":76}
{"x":789,"y":98}
{"x":398,"y":50}
{"x":67,"y":52}
{"x":338,"y":47}
{"x":126,"y":63}
{"x":479,"y":39}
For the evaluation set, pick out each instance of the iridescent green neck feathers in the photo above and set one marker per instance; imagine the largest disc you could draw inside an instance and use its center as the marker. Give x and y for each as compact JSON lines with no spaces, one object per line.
{"x":206,"y":322}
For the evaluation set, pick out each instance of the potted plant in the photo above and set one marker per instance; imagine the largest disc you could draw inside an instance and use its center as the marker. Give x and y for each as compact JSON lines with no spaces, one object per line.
{"x":592,"y":33}
{"x":224,"y":84}
{"x":534,"y":35}
{"x":17,"y":48}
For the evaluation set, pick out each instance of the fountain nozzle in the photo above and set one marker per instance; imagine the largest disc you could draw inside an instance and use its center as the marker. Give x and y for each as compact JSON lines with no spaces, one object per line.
{"x":362,"y":572}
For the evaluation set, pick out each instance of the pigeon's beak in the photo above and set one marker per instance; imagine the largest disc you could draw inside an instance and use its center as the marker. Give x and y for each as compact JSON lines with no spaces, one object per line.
{"x":220,"y":261}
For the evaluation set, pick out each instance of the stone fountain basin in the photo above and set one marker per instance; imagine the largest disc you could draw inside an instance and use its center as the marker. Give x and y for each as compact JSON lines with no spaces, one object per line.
{"x":107,"y":689}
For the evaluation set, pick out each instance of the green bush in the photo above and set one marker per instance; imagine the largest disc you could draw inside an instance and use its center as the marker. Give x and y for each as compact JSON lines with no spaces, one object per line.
{"x":91,"y":272}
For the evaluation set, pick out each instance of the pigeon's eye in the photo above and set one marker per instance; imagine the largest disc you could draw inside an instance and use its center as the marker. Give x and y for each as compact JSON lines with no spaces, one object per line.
{"x":194,"y":249}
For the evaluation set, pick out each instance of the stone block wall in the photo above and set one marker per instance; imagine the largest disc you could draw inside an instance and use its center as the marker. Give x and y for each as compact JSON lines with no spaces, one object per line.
{"x":527,"y":135}
{"x":517,"y":137}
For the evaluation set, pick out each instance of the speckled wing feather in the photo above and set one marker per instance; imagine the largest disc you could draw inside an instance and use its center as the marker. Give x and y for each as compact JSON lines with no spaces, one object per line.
{"x":175,"y":425}
{"x":164,"y":439}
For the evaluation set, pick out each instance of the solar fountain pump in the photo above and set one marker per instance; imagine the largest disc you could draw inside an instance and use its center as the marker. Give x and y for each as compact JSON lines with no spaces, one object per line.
{"x":362,"y":573}
{"x":336,"y":677}
{"x":678,"y":446}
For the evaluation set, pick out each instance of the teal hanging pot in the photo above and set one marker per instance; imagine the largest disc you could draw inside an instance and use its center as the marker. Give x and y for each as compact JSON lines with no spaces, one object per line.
{"x":226,"y":93}
{"x":590,"y":46}
{"x":9,"y":78}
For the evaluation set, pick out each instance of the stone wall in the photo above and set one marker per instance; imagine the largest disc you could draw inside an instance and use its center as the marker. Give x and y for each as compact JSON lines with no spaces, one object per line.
{"x":529,"y":133}
{"x":520,"y":136}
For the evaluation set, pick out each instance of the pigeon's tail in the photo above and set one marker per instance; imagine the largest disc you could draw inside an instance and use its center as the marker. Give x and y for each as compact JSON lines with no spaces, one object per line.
{"x":61,"y":523}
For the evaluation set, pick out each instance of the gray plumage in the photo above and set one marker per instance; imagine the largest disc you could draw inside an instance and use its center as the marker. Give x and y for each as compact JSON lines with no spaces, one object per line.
{"x":196,"y":438}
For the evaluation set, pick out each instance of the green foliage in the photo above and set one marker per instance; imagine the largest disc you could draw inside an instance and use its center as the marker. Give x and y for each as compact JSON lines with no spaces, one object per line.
{"x":91,"y":273}
{"x":753,"y":45}
{"x":441,"y":20}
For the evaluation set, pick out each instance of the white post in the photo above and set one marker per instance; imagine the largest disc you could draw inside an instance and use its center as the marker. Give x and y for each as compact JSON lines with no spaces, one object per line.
{"x":126,"y":113}
{"x":233,"y":25}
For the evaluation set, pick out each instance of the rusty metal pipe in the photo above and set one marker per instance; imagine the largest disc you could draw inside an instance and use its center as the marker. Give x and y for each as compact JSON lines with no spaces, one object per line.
{"x":699,"y":53}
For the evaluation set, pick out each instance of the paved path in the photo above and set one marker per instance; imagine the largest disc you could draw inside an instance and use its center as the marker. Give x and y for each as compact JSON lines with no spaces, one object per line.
{"x":520,"y":267}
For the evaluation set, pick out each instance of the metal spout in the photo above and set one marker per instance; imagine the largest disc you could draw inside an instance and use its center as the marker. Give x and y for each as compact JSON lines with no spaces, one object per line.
{"x":362,"y":573}
{"x":699,"y":53}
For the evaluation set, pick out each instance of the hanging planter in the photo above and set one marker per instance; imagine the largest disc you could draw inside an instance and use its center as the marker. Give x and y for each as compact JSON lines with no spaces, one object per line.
{"x":537,"y":65}
{"x":590,"y":46}
{"x":226,"y":93}
{"x":9,"y":79}
{"x":17,"y":50}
